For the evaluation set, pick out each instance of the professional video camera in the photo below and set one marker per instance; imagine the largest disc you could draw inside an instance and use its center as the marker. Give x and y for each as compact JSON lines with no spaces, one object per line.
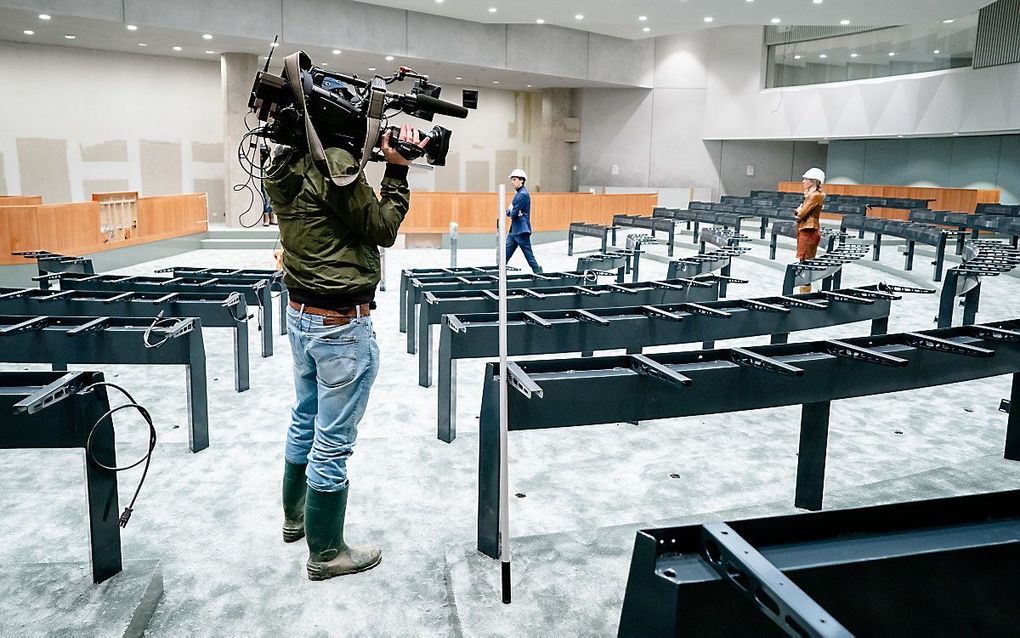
{"x":308,"y":108}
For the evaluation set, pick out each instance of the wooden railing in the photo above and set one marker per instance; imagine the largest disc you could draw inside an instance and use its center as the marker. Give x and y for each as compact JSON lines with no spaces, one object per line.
{"x":962,"y":200}
{"x":20,"y":200}
{"x":74,"y":228}
{"x":477,"y":212}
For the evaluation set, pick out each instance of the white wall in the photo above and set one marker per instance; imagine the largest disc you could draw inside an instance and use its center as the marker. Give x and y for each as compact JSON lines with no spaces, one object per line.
{"x":85,"y":99}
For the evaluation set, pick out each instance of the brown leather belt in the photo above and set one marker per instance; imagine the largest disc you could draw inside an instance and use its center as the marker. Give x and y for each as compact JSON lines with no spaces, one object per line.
{"x":333,"y":317}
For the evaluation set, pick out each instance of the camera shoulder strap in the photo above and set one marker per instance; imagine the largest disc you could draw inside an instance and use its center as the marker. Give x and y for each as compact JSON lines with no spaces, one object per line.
{"x":294,"y":66}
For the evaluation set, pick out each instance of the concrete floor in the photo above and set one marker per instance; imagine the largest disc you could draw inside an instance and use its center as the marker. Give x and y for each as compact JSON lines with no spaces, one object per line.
{"x":213,"y":519}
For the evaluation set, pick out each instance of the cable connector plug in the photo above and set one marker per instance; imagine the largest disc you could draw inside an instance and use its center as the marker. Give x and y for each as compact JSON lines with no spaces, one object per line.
{"x":125,"y":516}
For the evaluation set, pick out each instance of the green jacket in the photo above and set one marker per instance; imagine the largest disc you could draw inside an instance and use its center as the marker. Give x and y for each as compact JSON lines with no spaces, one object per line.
{"x":331,"y":235}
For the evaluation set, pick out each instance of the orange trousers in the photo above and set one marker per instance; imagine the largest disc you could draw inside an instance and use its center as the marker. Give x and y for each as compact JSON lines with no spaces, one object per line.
{"x":807,"y":243}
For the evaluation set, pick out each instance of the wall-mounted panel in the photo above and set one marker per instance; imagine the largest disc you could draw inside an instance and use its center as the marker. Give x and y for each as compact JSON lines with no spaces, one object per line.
{"x":690,"y":162}
{"x":928,"y":162}
{"x":620,"y":61}
{"x":245,"y":18}
{"x":43,"y":167}
{"x":885,"y":159}
{"x":431,"y":37}
{"x":975,"y":162}
{"x":845,"y":163}
{"x":111,"y":151}
{"x":346,"y":25}
{"x":772,"y":163}
{"x":1008,"y":180}
{"x":547,"y":49}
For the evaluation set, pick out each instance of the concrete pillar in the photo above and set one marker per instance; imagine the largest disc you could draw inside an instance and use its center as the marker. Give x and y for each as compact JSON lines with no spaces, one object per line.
{"x":560,"y":132}
{"x":237,"y":72}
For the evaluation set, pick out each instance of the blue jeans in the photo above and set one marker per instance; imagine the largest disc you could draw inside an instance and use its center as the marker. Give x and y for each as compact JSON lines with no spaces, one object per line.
{"x":334,"y":369}
{"x":524,"y":241}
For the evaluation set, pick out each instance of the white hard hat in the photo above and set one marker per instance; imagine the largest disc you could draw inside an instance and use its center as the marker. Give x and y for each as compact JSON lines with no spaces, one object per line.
{"x":519,"y":172}
{"x":815,"y":173}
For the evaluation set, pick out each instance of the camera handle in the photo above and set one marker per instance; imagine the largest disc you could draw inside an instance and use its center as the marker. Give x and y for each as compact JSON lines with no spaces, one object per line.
{"x":293,"y":67}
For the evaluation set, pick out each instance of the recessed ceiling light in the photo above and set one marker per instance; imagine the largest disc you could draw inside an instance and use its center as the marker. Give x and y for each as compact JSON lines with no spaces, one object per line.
{"x":44,"y":16}
{"x":209,"y":51}
{"x":955,"y":133}
{"x":892,"y":53}
{"x":389,"y":58}
{"x":823,"y":56}
{"x":642,"y":18}
{"x":179,"y":48}
{"x":816,"y":1}
{"x":844,"y":22}
{"x":131,"y":27}
{"x":899,"y":136}
{"x":495,"y":81}
{"x":529,"y":86}
{"x":29,"y":32}
{"x":750,"y":0}
{"x":775,"y":21}
{"x":709,"y":18}
{"x":371,"y":68}
{"x":458,"y":78}
{"x":439,"y":1}
{"x":949,"y":21}
{"x":68,"y":36}
{"x":207,"y":36}
{"x":336,"y":52}
{"x":492,"y":9}
{"x":540,"y":21}
{"x":646,"y":29}
{"x":936,"y":51}
{"x":797,"y":57}
{"x":142,"y":44}
{"x":853,"y":55}
{"x":579,"y":16}
{"x":274,"y":44}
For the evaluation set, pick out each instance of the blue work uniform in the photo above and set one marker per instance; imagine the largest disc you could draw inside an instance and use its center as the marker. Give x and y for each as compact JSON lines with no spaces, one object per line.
{"x":520,"y":228}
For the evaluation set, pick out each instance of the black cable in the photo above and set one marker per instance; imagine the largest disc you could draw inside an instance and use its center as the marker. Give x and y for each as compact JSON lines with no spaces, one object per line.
{"x":147,"y":458}
{"x":158,"y":321}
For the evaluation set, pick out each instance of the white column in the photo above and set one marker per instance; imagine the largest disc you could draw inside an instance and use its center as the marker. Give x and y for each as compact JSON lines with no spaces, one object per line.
{"x":237,"y":73}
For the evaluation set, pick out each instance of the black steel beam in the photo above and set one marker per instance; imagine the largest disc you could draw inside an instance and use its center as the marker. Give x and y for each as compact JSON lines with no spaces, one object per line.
{"x":588,"y":391}
{"x":943,"y":567}
{"x":258,"y":294}
{"x":49,"y":410}
{"x":208,"y":276}
{"x":214,"y":311}
{"x":632,"y":328}
{"x":117,"y":340}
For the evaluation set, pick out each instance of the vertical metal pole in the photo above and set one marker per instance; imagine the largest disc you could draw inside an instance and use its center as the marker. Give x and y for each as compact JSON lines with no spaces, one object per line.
{"x":1012,"y":451}
{"x":504,"y":489}
{"x":453,"y":244}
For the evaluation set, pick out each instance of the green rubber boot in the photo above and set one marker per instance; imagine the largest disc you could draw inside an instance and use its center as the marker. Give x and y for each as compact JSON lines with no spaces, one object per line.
{"x":295,"y":485}
{"x":328,"y":554}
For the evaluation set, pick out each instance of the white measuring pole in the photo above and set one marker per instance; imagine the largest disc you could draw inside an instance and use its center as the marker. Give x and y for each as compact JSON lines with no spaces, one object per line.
{"x":504,"y":487}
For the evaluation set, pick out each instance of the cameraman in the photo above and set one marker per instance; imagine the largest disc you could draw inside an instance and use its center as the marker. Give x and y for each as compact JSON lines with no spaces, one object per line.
{"x":331,"y":237}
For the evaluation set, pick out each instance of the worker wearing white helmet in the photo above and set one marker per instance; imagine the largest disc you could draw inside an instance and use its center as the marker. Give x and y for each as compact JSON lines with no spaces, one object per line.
{"x":809,"y":216}
{"x":519,"y":212}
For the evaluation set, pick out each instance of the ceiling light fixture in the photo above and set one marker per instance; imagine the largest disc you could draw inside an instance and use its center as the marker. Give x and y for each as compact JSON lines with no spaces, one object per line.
{"x":529,"y":86}
{"x":44,"y":16}
{"x":709,"y":18}
{"x":492,"y":9}
{"x":892,"y":53}
{"x":179,"y":49}
{"x":844,"y":22}
{"x":816,"y":1}
{"x":949,"y":21}
{"x":823,"y":56}
{"x":797,"y":57}
{"x":853,"y":55}
{"x":578,"y":16}
{"x":389,"y":58}
{"x":131,"y":27}
{"x":642,"y":18}
{"x":142,"y":44}
{"x":274,"y":44}
{"x":207,"y":36}
{"x":371,"y":68}
{"x":439,"y":1}
{"x":28,"y":32}
{"x":337,"y":51}
{"x":458,"y":78}
{"x":937,"y":51}
{"x":68,"y":36}
{"x":210,"y":52}
{"x":540,"y":21}
{"x":646,"y":29}
{"x":775,"y":20}
{"x":495,"y":81}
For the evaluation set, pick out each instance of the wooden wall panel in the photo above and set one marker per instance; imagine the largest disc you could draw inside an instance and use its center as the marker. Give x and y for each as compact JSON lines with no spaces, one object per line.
{"x":962,"y":200}
{"x":73,"y":228}
{"x":476,"y":212}
{"x":20,"y":200}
